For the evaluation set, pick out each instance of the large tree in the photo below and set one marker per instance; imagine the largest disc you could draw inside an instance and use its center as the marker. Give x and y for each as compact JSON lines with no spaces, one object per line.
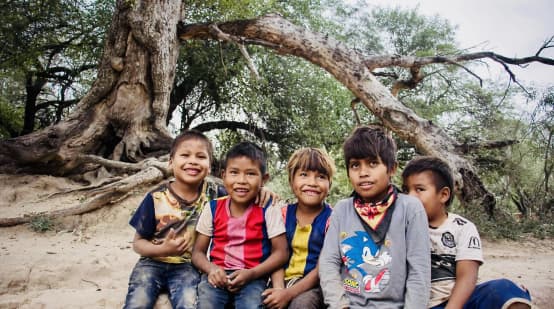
{"x":123,"y":116}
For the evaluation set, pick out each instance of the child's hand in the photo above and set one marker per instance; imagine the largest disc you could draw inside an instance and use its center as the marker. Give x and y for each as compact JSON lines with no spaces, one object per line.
{"x":276,"y":298}
{"x":173,"y":245}
{"x":238,"y":279}
{"x":265,"y":196}
{"x":217,"y":277}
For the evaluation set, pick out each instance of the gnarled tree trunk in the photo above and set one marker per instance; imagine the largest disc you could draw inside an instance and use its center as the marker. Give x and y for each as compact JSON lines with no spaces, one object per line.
{"x":123,"y":115}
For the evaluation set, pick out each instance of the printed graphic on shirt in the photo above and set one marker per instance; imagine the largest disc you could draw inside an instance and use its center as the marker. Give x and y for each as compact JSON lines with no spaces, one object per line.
{"x":448,"y":240}
{"x":443,"y":267}
{"x":460,"y":221}
{"x":366,"y":262}
{"x":474,"y":243}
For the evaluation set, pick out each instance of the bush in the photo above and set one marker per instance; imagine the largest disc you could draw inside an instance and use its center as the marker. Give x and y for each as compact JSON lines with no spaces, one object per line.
{"x":41,"y":224}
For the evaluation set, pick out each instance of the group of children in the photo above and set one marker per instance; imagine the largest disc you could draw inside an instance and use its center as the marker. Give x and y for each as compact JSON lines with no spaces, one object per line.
{"x":213,"y":247}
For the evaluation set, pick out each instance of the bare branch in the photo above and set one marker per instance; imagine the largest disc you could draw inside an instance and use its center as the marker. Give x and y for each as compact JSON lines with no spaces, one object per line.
{"x":353,"y":106}
{"x":549,"y":43}
{"x":232,"y":125}
{"x":238,"y":41}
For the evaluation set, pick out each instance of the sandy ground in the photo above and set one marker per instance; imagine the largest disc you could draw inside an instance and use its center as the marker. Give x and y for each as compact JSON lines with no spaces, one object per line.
{"x":85,"y":261}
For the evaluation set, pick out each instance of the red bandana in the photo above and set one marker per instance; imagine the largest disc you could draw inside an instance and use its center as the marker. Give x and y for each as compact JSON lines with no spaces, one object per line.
{"x":374,"y":213}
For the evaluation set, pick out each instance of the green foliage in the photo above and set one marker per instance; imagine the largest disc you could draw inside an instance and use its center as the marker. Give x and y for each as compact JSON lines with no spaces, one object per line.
{"x":10,"y":119}
{"x":41,"y":224}
{"x":48,"y":46}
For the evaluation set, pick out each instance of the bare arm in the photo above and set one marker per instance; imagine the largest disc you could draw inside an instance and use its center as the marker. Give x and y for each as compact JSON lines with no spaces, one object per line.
{"x":278,"y":279}
{"x":277,"y":258}
{"x":466,"y":278}
{"x":216,"y":275}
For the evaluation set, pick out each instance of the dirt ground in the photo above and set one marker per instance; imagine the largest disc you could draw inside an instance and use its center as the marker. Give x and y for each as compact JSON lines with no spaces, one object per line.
{"x":85,"y":261}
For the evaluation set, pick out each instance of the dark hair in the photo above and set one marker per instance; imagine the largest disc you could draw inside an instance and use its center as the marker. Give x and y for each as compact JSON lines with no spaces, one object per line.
{"x":190,"y":135}
{"x":311,"y":159}
{"x":370,"y":142}
{"x":442,"y":174}
{"x":249,"y":150}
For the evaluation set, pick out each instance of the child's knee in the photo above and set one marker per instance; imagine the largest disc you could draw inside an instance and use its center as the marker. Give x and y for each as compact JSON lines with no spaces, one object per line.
{"x":519,"y":305}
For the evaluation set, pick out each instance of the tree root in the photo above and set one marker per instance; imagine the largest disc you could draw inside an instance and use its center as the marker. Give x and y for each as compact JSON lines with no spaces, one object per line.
{"x":105,"y":195}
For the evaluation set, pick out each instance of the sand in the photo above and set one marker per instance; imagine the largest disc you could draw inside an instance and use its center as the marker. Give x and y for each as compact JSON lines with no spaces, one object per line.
{"x":85,"y":261}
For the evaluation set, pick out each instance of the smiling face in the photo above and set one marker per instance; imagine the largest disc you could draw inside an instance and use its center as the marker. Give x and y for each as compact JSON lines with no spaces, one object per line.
{"x":243,"y":179}
{"x":422,"y":186}
{"x":190,"y":162}
{"x":310,"y":187}
{"x":370,"y":178}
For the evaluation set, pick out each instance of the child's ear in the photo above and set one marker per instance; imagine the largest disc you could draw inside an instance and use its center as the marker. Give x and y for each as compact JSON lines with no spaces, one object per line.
{"x":444,"y":195}
{"x":265,"y":178}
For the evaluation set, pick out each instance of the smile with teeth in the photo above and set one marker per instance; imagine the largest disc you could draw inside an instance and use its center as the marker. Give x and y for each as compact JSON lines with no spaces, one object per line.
{"x":310,"y":192}
{"x":241,"y":191}
{"x":192,"y":171}
{"x":365,"y":184}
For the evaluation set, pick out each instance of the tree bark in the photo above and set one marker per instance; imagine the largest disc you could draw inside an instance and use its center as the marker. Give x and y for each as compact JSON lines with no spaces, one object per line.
{"x":349,"y":67}
{"x":123,"y":115}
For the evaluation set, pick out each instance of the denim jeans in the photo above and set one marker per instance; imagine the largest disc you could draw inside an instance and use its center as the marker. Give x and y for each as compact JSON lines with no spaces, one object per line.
{"x":248,"y":297}
{"x":495,"y":294}
{"x":150,"y":277}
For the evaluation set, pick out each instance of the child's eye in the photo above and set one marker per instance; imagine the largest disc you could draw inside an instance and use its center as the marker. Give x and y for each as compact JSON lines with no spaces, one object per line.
{"x":323,"y":177}
{"x":252,"y":174}
{"x":354,"y":165}
{"x":303,"y":174}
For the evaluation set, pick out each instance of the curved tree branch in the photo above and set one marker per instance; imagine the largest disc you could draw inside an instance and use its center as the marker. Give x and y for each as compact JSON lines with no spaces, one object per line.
{"x":353,"y":69}
{"x":232,"y":125}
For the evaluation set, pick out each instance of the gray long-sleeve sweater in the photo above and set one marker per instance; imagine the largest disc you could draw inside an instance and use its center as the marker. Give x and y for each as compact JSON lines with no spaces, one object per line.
{"x":356,"y":273}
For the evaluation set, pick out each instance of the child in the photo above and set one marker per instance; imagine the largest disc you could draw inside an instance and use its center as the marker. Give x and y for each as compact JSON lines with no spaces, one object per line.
{"x":310,"y":172}
{"x":376,"y":251}
{"x":165,"y":226}
{"x":455,"y":245}
{"x":247,"y":241}
{"x":165,"y":222}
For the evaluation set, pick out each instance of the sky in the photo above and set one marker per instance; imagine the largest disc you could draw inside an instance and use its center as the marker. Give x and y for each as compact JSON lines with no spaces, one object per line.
{"x":512,"y":28}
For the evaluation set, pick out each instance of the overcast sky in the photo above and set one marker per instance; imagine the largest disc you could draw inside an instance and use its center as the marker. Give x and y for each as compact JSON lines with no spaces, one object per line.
{"x":512,"y":28}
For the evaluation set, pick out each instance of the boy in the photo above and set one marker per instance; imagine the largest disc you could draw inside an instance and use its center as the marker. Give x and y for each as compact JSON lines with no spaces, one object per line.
{"x":376,"y":251}
{"x":455,"y":245}
{"x":165,"y":222}
{"x":310,"y":171}
{"x":247,"y":241}
{"x":165,"y":226}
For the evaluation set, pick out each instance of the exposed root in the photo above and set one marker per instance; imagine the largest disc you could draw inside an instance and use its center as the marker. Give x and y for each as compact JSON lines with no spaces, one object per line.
{"x":105,"y":195}
{"x":86,"y":188}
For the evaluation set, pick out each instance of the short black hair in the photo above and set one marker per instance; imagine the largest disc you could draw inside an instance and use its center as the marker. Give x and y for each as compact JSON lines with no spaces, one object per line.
{"x":370,"y":142}
{"x":190,"y":135}
{"x":249,"y":150}
{"x":442,"y":174}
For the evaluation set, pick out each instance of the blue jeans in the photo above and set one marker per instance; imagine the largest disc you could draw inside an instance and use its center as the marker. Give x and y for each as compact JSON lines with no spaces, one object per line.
{"x":150,"y":277}
{"x":248,"y":297}
{"x":494,"y":294}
